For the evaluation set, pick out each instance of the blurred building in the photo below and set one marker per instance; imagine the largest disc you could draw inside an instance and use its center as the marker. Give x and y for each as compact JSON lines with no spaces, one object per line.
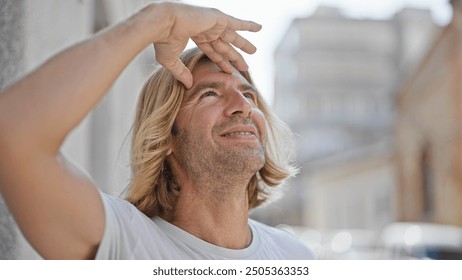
{"x":429,"y":134}
{"x":335,"y":85}
{"x":32,"y":31}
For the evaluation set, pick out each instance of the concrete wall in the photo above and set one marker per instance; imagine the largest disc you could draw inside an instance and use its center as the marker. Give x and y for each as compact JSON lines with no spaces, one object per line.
{"x":11,"y":65}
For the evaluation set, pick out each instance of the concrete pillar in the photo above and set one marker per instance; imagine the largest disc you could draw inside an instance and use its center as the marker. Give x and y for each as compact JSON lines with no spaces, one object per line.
{"x":11,"y":65}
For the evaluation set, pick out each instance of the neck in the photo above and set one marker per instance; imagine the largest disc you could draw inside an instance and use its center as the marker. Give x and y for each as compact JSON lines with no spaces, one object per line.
{"x":216,"y":214}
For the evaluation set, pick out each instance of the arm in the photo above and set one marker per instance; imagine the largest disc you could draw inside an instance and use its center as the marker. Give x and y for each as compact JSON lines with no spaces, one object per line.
{"x":60,"y":213}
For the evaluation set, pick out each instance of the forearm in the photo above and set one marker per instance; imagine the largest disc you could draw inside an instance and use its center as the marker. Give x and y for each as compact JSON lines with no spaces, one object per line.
{"x":45,"y":106}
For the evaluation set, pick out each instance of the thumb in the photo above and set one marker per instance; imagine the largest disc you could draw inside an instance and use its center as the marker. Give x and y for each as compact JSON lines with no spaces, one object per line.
{"x":180,"y":72}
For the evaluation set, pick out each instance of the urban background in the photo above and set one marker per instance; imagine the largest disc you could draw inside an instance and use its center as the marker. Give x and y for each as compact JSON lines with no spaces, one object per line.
{"x":375,"y":106}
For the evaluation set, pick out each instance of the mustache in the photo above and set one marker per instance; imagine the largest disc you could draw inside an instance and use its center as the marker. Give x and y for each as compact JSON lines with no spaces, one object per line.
{"x":237,"y":120}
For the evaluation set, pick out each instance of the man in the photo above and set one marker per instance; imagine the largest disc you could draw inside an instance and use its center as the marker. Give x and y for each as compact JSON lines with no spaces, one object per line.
{"x":195,"y":205}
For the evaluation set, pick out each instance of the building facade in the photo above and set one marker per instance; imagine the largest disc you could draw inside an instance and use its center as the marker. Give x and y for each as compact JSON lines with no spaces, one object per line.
{"x":335,"y":84}
{"x":429,"y":134}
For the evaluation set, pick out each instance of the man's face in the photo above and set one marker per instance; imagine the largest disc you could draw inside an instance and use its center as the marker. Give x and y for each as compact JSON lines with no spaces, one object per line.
{"x":219,"y":130}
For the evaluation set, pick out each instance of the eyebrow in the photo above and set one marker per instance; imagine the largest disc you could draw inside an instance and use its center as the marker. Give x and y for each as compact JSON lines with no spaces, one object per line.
{"x":218,"y":85}
{"x":244,"y":87}
{"x":202,"y":86}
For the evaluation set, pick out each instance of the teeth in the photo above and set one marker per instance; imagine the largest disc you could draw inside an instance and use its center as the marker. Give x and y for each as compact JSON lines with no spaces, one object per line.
{"x":239,"y":133}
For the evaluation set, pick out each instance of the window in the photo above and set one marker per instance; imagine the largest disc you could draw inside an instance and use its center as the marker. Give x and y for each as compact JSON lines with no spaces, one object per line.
{"x":427,"y":180}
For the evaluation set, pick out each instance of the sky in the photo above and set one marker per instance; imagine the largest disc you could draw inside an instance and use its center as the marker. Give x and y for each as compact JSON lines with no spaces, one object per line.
{"x":276,"y":17}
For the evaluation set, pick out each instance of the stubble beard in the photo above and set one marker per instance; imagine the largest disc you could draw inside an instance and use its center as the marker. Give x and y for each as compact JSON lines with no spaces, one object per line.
{"x":220,"y":168}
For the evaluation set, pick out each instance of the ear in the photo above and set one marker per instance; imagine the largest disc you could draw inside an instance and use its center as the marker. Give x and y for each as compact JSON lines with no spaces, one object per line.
{"x":170,"y":144}
{"x":171,"y":139}
{"x":170,"y":150}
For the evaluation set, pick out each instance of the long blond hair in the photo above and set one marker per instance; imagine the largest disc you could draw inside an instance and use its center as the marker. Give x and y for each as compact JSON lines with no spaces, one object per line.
{"x":153,"y":189}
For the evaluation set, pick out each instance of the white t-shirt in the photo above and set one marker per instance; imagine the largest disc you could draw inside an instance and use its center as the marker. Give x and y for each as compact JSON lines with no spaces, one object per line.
{"x":129,"y":234}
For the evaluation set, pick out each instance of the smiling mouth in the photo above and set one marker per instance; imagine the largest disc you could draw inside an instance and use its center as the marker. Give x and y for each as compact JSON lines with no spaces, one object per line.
{"x":238,"y":133}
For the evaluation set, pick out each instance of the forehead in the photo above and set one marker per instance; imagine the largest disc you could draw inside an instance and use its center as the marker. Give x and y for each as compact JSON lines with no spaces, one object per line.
{"x":207,"y":71}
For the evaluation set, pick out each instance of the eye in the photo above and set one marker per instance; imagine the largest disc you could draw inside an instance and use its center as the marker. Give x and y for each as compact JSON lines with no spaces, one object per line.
{"x":247,"y":95}
{"x":208,"y":94}
{"x":250,"y":95}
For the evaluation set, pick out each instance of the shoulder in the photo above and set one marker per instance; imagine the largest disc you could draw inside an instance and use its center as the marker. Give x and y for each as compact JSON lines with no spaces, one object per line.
{"x":116,"y":204}
{"x":273,"y":232}
{"x":285,"y":241}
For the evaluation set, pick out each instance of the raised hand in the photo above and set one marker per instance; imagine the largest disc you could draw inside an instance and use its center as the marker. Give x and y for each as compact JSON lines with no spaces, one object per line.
{"x":214,"y":32}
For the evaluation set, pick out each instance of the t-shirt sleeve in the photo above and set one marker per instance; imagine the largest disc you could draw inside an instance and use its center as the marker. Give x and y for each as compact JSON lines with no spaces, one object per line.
{"x":118,"y":241}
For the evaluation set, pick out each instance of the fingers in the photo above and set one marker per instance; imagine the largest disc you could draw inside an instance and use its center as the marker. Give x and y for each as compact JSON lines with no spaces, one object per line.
{"x":219,"y":59}
{"x":214,"y":32}
{"x":238,"y":41}
{"x":243,"y":25}
{"x":217,"y":43}
{"x":230,"y":54}
{"x":222,"y":52}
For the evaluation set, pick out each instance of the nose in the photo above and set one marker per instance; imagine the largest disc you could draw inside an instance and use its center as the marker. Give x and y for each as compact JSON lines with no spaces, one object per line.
{"x":238,"y":104}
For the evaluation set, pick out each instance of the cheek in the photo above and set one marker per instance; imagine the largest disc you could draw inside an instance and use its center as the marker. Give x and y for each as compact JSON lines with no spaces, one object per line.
{"x":198,"y":122}
{"x":260,"y":122}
